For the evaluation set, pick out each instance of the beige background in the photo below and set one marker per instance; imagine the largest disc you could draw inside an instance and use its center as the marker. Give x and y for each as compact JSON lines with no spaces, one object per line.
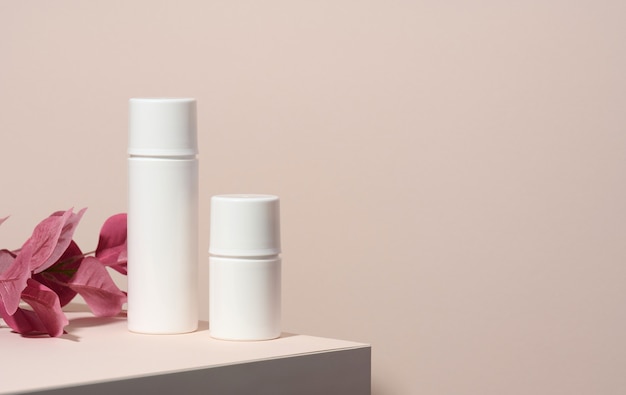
{"x":451,"y":173}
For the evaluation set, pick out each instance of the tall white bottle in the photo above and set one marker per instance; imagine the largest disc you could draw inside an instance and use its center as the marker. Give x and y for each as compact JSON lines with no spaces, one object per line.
{"x":162,"y":216}
{"x":245,"y":267}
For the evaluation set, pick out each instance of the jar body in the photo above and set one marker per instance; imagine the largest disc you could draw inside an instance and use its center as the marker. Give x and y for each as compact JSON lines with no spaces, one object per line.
{"x":244,"y":298}
{"x":162,"y":245}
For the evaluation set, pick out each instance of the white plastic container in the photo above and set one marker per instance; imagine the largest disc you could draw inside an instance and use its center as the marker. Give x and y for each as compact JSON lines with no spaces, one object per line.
{"x":245,"y":267}
{"x":162,"y":216}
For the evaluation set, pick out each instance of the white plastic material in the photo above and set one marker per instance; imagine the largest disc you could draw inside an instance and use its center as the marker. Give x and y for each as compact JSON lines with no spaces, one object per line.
{"x":162,"y":127}
{"x":244,"y":301}
{"x":162,"y":225}
{"x":245,"y":225}
{"x":245,"y":268}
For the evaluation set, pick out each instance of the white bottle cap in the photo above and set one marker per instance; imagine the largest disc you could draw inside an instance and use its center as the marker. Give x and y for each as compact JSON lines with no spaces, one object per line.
{"x":162,"y":127}
{"x":245,"y":225}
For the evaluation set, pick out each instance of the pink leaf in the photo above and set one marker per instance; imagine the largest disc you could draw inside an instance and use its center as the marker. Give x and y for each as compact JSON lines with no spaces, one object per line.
{"x":23,"y":321}
{"x":13,"y":276}
{"x":3,"y":219}
{"x":111,"y":250}
{"x":6,"y":260}
{"x":44,"y":240}
{"x":121,"y":265}
{"x":94,"y":284}
{"x":63,"y":242}
{"x":51,"y":238}
{"x":46,"y":306}
{"x":57,"y":276}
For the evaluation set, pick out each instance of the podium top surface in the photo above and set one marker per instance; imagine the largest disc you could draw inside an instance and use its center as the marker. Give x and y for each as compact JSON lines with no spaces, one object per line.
{"x":102,"y":349}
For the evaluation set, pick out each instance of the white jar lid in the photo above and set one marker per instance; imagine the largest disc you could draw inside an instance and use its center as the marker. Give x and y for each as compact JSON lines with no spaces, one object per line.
{"x":162,"y":127}
{"x":245,"y":225}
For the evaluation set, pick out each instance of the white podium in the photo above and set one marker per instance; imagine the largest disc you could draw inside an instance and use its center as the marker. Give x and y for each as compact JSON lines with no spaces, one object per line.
{"x":99,"y":356}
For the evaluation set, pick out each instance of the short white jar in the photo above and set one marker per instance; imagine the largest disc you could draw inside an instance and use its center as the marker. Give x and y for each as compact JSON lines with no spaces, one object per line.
{"x":245,"y":267}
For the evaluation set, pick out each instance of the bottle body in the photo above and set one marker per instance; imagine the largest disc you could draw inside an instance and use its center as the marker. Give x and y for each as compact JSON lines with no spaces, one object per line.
{"x":162,"y":244}
{"x":245,"y":297}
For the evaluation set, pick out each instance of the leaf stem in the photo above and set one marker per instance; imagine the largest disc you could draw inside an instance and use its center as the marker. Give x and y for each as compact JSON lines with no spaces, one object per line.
{"x":58,"y":267}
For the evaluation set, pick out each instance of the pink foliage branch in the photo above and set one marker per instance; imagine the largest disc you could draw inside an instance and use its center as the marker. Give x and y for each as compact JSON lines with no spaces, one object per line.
{"x":49,"y":270}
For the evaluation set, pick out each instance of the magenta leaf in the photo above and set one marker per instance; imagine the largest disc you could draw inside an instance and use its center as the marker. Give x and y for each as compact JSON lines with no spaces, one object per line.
{"x":50,"y":269}
{"x":121,"y":266}
{"x":51,"y":237}
{"x":111,"y":250}
{"x":23,"y":321}
{"x":69,"y":223}
{"x":6,"y":260}
{"x":94,"y":284}
{"x":46,"y":306}
{"x":14,"y":272}
{"x":57,"y":276}
{"x":44,"y":240}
